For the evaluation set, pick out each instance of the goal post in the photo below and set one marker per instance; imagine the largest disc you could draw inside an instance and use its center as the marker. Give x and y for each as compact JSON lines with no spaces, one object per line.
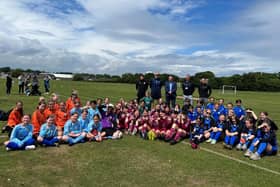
{"x":231,"y":89}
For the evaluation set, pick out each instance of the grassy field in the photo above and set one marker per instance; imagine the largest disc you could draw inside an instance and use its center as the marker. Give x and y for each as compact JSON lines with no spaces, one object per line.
{"x":132,"y":161}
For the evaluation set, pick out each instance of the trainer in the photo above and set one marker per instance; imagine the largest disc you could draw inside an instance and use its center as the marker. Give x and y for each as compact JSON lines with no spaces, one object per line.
{"x":188,"y":89}
{"x":141,"y":87}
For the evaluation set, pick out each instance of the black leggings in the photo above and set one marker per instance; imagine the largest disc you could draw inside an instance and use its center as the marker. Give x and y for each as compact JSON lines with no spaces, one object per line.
{"x":8,"y":90}
{"x":21,"y":88}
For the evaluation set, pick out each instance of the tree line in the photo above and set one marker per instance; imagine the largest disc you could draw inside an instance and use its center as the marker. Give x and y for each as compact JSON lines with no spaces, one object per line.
{"x":253,"y":81}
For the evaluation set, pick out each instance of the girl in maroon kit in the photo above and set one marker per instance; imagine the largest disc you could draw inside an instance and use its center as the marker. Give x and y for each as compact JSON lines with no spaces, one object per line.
{"x":183,"y":129}
{"x":155,"y":126}
{"x":123,"y":119}
{"x":165,"y":125}
{"x":133,"y":125}
{"x":144,"y":125}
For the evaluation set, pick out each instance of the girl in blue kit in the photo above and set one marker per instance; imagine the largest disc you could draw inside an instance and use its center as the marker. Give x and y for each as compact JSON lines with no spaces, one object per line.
{"x":232,"y":132}
{"x":94,"y":129}
{"x":73,"y":131}
{"x":217,"y":131}
{"x":239,"y":110}
{"x":197,"y":135}
{"x":248,"y":133}
{"x":208,"y":124}
{"x":77,"y":108}
{"x":83,"y":119}
{"x":265,"y":143}
{"x":48,"y":133}
{"x":216,"y":112}
{"x":21,"y":137}
{"x":192,"y":115}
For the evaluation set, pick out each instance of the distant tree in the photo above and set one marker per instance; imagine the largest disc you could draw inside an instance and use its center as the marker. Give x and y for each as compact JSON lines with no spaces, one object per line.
{"x":128,"y":78}
{"x":5,"y":69}
{"x":17,"y":72}
{"x":78,"y":77}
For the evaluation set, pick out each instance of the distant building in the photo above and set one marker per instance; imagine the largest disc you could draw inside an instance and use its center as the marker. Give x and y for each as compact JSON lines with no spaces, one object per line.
{"x":63,"y":76}
{"x":57,"y":76}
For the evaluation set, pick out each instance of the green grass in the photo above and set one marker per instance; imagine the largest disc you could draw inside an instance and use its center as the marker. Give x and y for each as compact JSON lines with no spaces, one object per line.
{"x":132,"y":161}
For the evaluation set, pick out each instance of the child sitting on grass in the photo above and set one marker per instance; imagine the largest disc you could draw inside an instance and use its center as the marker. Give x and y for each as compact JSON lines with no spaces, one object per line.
{"x":232,"y":133}
{"x":265,"y":143}
{"x":197,"y":135}
{"x":73,"y":131}
{"x":218,"y":130}
{"x":248,"y":133}
{"x":48,"y":135}
{"x":94,"y":129}
{"x":21,"y":137}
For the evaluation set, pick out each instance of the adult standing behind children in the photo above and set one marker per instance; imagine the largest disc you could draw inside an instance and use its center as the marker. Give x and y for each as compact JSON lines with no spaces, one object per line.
{"x":20,"y":84}
{"x":170,"y":91}
{"x":47,"y":83}
{"x":155,"y":86}
{"x":188,"y":88}
{"x":204,"y":90}
{"x":141,"y":87}
{"x":9,"y":82}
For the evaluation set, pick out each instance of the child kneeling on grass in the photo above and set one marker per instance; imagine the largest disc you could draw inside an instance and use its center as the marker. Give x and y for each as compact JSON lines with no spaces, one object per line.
{"x":265,"y":143}
{"x":21,"y":137}
{"x":73,"y":131}
{"x":48,"y":135}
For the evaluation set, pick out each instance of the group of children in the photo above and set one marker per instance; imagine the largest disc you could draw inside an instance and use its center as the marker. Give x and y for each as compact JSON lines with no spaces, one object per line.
{"x":57,"y":122}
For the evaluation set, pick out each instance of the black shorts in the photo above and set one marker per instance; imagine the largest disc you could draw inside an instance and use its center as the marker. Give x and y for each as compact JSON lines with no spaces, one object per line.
{"x":109,"y":131}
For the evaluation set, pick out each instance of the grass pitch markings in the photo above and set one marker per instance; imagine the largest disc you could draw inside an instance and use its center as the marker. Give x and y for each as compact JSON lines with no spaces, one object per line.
{"x":236,"y":160}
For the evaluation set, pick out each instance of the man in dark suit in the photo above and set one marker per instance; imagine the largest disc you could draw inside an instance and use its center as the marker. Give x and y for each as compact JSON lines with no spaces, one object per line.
{"x":155,"y":85}
{"x":141,"y":87}
{"x":170,"y":91}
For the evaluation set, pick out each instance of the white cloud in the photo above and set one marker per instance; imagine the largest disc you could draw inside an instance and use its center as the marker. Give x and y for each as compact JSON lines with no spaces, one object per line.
{"x":123,"y":36}
{"x":256,"y":30}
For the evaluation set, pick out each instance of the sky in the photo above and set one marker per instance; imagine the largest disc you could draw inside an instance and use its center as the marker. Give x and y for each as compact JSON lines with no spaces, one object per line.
{"x":120,"y":36}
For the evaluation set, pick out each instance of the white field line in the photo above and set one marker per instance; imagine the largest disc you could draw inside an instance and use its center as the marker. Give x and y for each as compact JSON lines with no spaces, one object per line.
{"x":225,"y":156}
{"x":237,"y":160}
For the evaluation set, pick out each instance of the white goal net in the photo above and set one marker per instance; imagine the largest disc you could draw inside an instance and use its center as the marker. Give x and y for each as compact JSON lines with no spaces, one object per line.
{"x":228,"y":89}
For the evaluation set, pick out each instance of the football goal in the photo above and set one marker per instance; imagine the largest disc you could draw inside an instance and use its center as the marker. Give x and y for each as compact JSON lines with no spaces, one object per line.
{"x":228,"y":89}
